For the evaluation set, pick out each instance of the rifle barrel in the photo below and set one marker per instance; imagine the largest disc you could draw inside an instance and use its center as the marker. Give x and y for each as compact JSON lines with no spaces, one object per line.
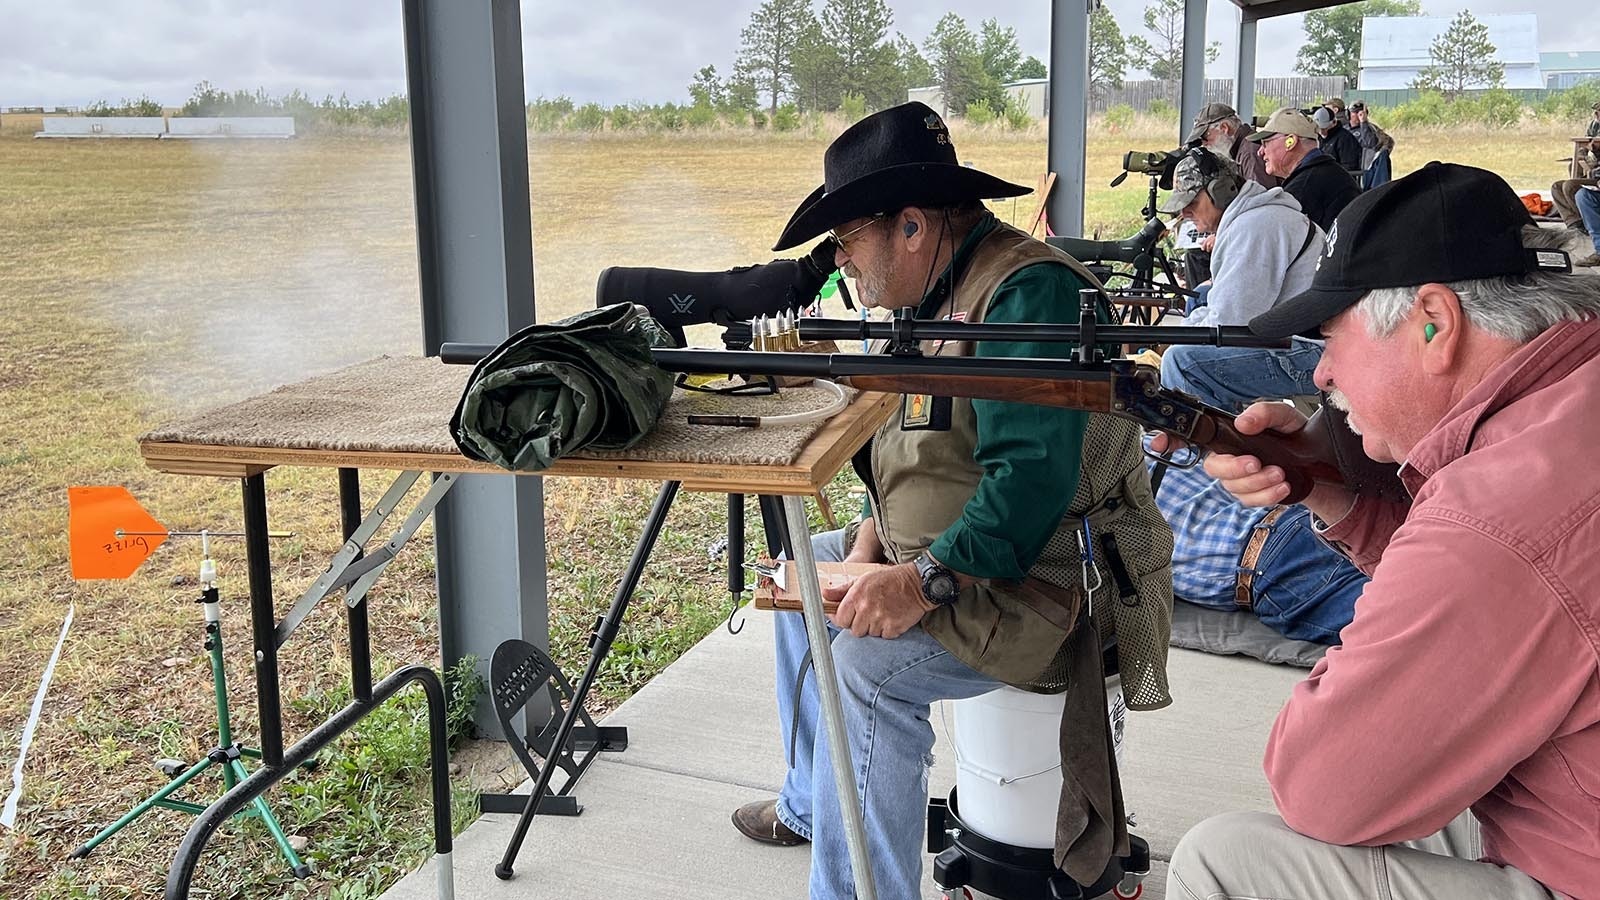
{"x":846,"y":365}
{"x":925,"y":330}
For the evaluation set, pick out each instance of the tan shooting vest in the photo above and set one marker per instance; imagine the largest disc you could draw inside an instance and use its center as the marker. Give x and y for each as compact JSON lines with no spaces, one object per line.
{"x":1016,"y":631}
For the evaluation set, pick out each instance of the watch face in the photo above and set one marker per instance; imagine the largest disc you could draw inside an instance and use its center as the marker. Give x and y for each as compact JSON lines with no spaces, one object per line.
{"x":939,"y":584}
{"x":940,"y":587}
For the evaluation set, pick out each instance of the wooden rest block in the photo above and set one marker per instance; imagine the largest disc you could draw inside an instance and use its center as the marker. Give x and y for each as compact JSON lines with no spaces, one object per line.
{"x":769,"y":596}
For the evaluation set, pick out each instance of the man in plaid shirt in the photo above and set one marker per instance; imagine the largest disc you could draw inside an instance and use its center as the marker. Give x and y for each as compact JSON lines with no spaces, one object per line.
{"x":1294,"y":583}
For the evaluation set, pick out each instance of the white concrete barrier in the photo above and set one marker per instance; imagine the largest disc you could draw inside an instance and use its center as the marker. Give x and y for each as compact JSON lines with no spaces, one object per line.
{"x":187,"y":127}
{"x":147,"y":127}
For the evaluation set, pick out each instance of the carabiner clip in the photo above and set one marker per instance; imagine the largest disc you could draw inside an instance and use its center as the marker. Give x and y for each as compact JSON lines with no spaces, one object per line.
{"x":1092,"y":580}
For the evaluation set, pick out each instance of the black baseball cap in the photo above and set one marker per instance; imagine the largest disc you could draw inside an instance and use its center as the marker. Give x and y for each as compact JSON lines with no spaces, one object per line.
{"x":1443,"y":222}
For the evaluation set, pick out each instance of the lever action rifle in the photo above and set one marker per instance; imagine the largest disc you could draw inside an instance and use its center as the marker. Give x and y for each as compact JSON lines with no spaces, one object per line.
{"x":1325,"y":451}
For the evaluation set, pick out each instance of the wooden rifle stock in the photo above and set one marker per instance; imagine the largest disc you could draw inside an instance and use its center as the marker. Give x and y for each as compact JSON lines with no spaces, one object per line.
{"x":1325,"y":451}
{"x":1091,"y":396}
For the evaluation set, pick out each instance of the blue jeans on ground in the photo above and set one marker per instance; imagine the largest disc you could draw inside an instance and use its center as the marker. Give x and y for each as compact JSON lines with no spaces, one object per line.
{"x":886,"y":688}
{"x":1303,"y":588}
{"x":1235,"y":377}
{"x":1588,"y":204}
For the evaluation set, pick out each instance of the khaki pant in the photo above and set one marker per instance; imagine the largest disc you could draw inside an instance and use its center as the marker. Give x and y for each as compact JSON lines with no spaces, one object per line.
{"x":1255,"y":855}
{"x":1561,"y":195}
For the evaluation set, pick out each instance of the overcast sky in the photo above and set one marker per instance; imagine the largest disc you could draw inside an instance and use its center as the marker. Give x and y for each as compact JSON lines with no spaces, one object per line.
{"x":72,"y":52}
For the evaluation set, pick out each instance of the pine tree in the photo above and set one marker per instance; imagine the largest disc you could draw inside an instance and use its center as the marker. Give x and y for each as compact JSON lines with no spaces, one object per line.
{"x":958,"y":72}
{"x":1462,"y":57}
{"x":858,"y":30}
{"x":768,"y":43}
{"x":1108,"y":53}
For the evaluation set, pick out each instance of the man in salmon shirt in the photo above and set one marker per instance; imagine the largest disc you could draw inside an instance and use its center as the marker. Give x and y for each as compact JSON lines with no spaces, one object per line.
{"x":1469,"y":680}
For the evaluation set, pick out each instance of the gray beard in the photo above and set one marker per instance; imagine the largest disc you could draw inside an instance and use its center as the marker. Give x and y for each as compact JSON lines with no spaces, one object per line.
{"x":1342,"y":404}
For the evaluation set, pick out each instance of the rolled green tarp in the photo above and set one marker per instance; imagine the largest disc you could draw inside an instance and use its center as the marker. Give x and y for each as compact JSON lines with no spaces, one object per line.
{"x":553,"y":389}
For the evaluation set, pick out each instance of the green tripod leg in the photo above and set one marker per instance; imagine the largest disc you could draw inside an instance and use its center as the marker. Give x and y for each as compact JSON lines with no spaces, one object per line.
{"x":226,"y":753}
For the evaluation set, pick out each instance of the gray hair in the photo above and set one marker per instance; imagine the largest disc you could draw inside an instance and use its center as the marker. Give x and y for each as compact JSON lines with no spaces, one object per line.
{"x":1518,"y":308}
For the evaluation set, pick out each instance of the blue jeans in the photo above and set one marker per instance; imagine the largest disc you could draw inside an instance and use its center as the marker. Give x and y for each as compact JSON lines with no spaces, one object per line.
{"x":1202,"y":293}
{"x":886,"y":688}
{"x":1303,"y":588}
{"x":1588,"y":204}
{"x":1380,"y":172}
{"x":1235,"y":377}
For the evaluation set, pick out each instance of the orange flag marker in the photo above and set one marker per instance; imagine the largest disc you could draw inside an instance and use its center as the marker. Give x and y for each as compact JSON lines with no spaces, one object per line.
{"x":109,"y":533}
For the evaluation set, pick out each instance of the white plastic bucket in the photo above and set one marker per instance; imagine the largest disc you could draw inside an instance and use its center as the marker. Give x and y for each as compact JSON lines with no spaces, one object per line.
{"x":1008,"y":762}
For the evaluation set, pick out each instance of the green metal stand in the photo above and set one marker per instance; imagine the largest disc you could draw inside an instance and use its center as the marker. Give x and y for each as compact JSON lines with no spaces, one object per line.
{"x":227,"y":754}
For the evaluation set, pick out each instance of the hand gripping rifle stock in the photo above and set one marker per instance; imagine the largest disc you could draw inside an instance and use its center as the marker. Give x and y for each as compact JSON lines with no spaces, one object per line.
{"x":1314,"y":455}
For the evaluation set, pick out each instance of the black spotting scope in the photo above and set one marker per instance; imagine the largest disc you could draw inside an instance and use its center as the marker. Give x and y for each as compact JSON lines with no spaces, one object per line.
{"x":1133,"y":250}
{"x":677,"y":299}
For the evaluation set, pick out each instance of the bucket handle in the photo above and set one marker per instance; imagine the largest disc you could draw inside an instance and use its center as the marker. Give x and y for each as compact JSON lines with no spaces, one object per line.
{"x":993,"y":777}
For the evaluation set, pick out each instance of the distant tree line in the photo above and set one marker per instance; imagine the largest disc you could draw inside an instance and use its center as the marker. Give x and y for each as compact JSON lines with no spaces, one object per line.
{"x":844,"y":58}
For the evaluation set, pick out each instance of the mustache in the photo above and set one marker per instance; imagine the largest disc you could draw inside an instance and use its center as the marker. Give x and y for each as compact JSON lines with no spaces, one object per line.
{"x":1339,"y":401}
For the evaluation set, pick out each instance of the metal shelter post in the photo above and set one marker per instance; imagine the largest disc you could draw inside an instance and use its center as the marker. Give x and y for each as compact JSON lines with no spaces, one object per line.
{"x":1244,"y":79}
{"x":1193,"y":92}
{"x":469,"y":151}
{"x":1069,"y":113}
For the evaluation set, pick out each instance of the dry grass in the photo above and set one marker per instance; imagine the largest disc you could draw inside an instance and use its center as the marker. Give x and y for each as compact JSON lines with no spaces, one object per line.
{"x":143,"y":279}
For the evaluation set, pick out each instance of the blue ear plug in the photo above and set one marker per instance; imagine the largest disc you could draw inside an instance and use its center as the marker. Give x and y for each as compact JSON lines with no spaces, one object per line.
{"x":911,"y":228}
{"x":1428,"y":331}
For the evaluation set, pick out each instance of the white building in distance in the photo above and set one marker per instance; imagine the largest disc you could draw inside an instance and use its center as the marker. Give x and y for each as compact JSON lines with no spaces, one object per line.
{"x":1394,"y":50}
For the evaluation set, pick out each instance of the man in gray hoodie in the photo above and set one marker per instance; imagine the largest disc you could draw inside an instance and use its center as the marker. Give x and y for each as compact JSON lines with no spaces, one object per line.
{"x":1266,"y":251}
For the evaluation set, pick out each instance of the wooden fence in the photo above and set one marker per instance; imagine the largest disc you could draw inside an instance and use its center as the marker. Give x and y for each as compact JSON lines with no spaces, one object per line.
{"x":1292,"y":91}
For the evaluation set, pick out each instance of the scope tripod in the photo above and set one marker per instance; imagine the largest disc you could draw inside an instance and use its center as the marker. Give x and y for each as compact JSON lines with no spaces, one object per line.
{"x":227,"y":753}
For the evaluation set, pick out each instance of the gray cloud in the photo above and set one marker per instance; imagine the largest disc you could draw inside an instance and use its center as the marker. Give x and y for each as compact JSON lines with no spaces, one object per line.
{"x":608,"y":51}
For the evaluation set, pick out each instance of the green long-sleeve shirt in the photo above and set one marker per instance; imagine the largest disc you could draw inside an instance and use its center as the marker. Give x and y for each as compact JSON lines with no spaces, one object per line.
{"x":1030,"y":454}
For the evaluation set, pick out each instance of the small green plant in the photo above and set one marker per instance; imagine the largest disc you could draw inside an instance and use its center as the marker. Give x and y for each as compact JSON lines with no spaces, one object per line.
{"x":463,"y":686}
{"x":1267,"y":105}
{"x":545,"y":115}
{"x":1497,"y":108}
{"x":1016,"y":115}
{"x":588,"y":117}
{"x":624,"y":117}
{"x":853,"y":107}
{"x":787,"y":118}
{"x":979,"y":113}
{"x":1429,"y":109}
{"x":1161,"y":108}
{"x":1572,"y":105}
{"x":700,"y":116}
{"x":143,"y":106}
{"x":1119,"y":118}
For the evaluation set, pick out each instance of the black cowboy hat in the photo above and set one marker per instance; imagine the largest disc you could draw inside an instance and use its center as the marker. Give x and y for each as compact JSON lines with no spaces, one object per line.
{"x":892,"y":159}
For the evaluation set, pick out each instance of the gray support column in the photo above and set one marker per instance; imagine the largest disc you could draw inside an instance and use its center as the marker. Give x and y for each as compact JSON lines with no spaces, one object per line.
{"x":469,"y":150}
{"x":1068,"y":106}
{"x":1194,"y":64}
{"x":1244,"y":77}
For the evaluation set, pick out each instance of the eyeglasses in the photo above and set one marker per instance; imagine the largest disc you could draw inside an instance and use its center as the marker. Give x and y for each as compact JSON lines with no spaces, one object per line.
{"x":843,"y":240}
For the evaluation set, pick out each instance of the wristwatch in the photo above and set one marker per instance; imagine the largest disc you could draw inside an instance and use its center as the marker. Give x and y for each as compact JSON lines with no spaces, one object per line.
{"x":939,"y":585}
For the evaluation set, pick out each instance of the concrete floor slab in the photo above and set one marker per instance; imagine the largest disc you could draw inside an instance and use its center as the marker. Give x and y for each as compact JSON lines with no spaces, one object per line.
{"x":703,"y":739}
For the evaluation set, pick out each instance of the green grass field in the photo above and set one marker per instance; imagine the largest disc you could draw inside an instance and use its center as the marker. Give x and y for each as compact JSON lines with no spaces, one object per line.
{"x":142,"y":279}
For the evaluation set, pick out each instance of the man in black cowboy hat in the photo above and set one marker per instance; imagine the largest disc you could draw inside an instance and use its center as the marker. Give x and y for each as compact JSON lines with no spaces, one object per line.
{"x":975,"y":513}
